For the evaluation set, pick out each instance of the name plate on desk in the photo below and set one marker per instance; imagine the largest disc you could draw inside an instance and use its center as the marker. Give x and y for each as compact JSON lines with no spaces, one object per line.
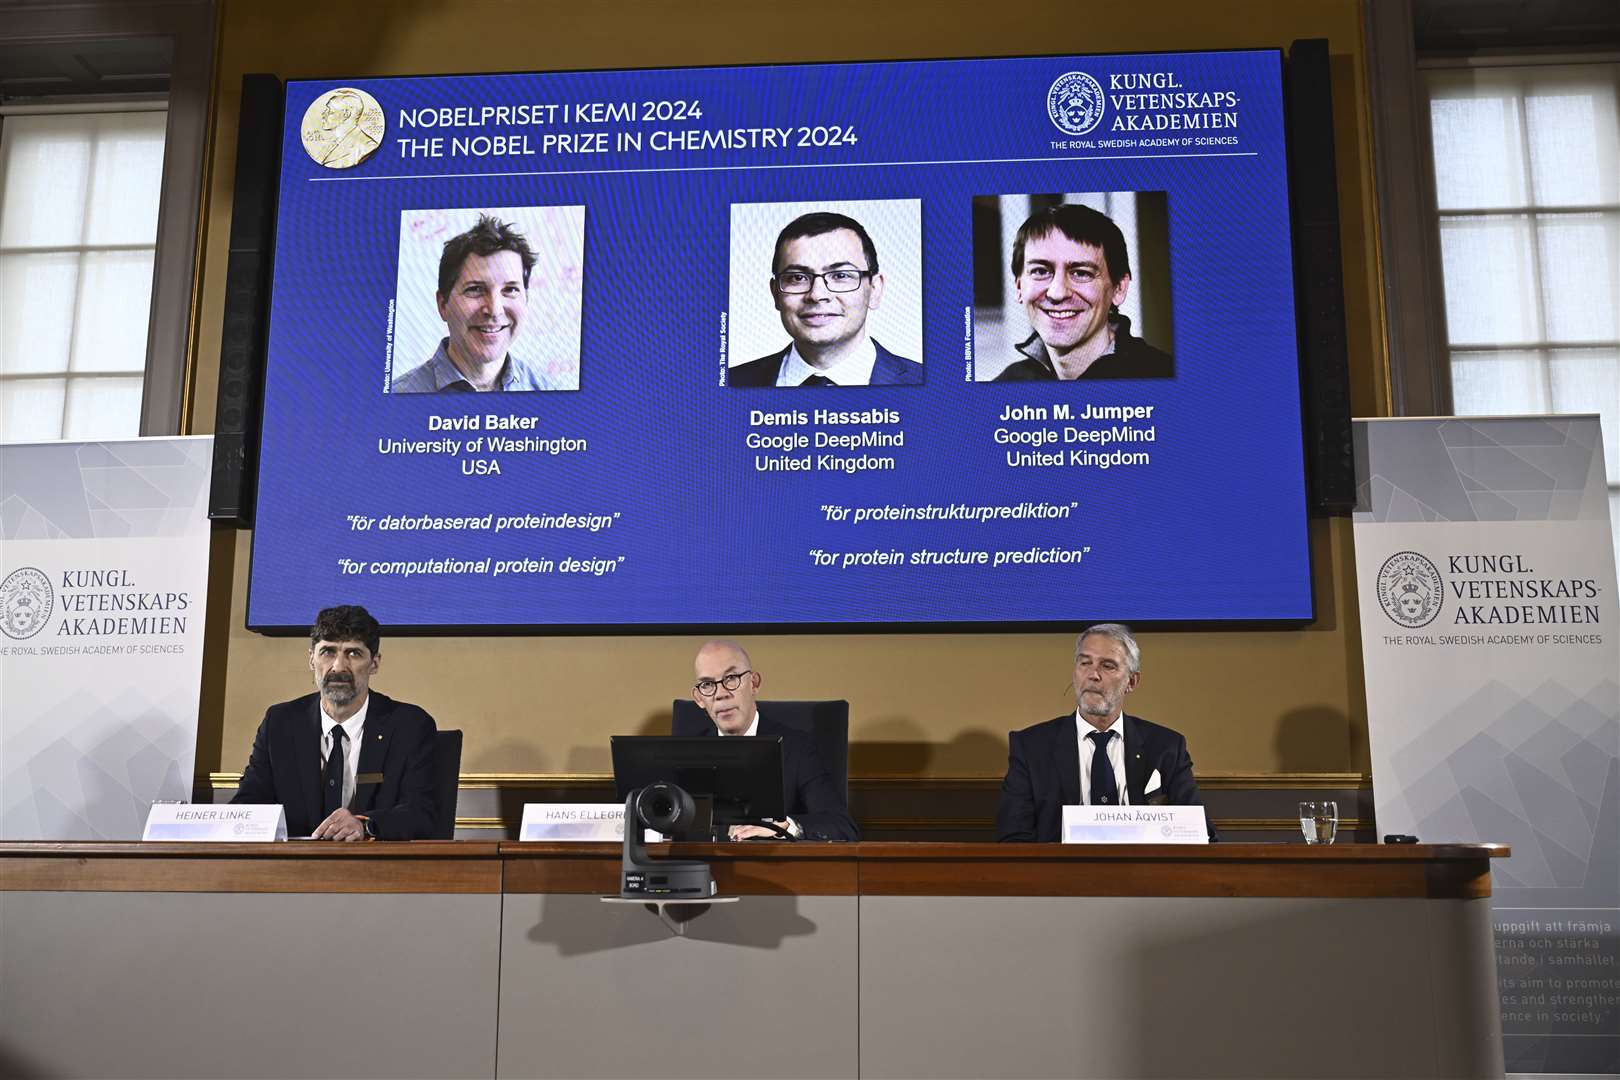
{"x":572,"y":821}
{"x":216,"y":824}
{"x":1134,"y":825}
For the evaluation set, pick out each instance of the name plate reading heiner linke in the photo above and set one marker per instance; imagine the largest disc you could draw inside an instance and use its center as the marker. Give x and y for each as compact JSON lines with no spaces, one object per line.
{"x":572,"y":821}
{"x":216,"y":824}
{"x":1134,"y":825}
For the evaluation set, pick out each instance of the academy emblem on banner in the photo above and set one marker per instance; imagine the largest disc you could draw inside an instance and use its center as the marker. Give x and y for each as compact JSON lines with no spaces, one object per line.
{"x":1410,"y":589}
{"x":26,"y":601}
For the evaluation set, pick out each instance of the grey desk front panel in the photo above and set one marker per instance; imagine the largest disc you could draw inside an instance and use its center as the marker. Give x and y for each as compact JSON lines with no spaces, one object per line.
{"x":247,"y":985}
{"x":762,"y":987}
{"x":1176,"y":987}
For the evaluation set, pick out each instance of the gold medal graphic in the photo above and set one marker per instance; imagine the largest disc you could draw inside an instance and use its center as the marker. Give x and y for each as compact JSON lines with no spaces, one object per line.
{"x":342,"y":128}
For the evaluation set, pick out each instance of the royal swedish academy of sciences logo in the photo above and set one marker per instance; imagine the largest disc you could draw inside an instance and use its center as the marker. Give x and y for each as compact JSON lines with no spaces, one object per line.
{"x":26,"y":601}
{"x":1075,"y":102}
{"x":1410,"y":590}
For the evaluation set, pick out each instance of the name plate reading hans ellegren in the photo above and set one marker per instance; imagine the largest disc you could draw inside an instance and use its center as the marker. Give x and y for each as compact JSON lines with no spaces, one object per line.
{"x":1134,"y":825}
{"x":572,"y":821}
{"x":243,"y":823}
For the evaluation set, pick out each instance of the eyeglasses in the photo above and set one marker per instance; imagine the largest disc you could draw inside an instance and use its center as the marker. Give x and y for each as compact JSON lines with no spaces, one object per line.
{"x":707,"y":687}
{"x":801,"y":281}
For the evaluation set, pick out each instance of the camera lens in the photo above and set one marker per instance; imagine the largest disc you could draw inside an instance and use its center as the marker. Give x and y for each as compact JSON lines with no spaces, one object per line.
{"x":665,"y":807}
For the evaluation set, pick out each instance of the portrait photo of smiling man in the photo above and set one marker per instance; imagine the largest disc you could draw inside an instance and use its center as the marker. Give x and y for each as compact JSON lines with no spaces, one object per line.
{"x":505,"y":311}
{"x":1072,"y":308}
{"x":830,"y":294}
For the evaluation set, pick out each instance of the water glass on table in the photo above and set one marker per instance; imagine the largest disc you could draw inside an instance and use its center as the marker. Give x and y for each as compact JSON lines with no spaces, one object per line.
{"x":1319,"y":821}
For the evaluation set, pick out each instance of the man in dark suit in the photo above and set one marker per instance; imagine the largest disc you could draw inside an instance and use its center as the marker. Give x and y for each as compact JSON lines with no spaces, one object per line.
{"x":726,"y":688}
{"x":824,"y":282}
{"x":1049,"y":766}
{"x":346,"y":763}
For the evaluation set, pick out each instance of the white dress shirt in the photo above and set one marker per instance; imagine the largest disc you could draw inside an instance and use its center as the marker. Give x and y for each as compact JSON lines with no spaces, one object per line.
{"x":753,"y":728}
{"x":355,"y":728}
{"x":853,"y":370}
{"x":1116,"y":757}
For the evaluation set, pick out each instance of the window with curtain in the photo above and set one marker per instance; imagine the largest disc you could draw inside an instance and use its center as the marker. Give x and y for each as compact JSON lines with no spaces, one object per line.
{"x":78,"y":229}
{"x":1527,"y":184}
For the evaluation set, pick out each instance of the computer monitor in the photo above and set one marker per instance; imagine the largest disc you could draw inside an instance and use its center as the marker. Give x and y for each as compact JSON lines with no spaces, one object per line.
{"x":739,"y":779}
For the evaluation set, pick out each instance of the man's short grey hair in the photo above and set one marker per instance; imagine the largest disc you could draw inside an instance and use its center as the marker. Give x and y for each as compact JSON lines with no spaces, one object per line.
{"x":1120,"y":633}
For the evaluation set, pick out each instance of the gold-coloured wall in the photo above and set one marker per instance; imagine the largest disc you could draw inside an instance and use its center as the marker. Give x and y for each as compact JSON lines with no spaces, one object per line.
{"x":933,"y":705}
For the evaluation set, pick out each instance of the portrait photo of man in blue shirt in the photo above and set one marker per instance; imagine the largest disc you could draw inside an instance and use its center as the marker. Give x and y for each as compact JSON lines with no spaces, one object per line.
{"x":483,"y":298}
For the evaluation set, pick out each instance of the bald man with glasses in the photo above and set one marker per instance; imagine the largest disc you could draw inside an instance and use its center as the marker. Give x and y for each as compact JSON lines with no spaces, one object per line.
{"x":725,"y":687}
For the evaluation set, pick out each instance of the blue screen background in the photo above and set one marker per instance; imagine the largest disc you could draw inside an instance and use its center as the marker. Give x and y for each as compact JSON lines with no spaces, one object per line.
{"x":1213,"y":529}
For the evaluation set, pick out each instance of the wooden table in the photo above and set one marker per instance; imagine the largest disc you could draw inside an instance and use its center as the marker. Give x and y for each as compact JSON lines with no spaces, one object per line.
{"x":875,"y":959}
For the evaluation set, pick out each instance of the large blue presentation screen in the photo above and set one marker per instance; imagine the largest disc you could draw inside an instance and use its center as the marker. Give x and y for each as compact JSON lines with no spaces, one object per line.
{"x":988,"y":342}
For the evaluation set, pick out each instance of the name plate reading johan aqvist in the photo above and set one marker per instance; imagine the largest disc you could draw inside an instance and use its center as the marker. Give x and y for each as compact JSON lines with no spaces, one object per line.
{"x":216,"y":824}
{"x":572,"y":821}
{"x":1134,"y":825}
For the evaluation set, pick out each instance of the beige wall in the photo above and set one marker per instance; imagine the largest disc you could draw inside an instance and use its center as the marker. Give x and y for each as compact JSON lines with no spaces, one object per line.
{"x":928,"y":705}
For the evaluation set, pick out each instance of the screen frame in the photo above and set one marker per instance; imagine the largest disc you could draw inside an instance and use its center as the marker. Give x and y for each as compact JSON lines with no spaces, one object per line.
{"x":996,"y":626}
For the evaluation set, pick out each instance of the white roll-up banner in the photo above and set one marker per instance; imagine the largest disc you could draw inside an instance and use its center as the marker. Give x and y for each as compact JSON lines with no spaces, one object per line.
{"x":1485,"y":567}
{"x":103,"y":584}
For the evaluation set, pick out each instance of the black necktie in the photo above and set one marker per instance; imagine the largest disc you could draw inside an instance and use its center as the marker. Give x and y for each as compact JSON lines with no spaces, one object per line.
{"x":332,"y":793}
{"x":1104,"y":791}
{"x":818,"y":380}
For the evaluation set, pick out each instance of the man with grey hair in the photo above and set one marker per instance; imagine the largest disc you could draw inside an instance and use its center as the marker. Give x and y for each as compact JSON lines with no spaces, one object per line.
{"x":1081,"y":758}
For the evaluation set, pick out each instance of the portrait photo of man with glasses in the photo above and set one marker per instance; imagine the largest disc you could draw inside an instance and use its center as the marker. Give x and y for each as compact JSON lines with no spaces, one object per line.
{"x":826,"y":285}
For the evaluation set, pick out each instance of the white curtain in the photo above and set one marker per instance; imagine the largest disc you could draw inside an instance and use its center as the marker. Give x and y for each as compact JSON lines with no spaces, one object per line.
{"x":1527,"y":183}
{"x":78,"y":227}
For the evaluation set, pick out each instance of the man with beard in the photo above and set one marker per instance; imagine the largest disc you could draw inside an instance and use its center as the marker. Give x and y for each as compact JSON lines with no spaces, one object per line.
{"x":346,"y":763}
{"x":1083,"y":757}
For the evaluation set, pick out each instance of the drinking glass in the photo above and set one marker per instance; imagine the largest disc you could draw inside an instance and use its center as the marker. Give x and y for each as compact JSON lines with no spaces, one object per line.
{"x":1319,"y":821}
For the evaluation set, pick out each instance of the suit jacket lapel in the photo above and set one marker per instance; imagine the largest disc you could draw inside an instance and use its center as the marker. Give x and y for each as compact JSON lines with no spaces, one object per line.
{"x":374,"y":749}
{"x":1068,"y":763}
{"x":1137,"y":761}
{"x":307,"y":753}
